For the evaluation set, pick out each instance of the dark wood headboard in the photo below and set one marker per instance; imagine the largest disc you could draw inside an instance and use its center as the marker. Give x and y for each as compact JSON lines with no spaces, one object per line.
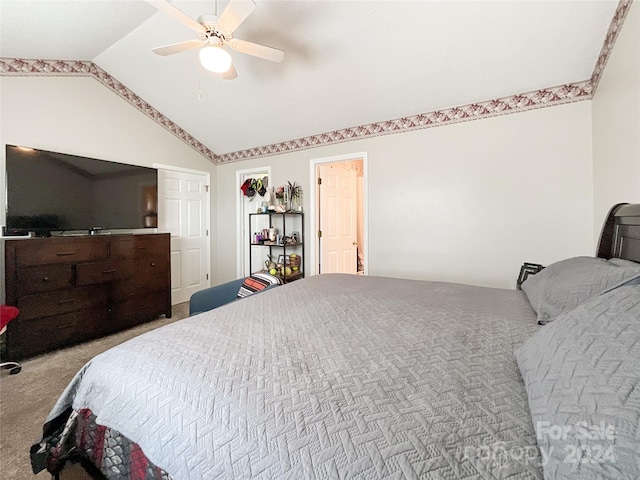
{"x":620,"y":236}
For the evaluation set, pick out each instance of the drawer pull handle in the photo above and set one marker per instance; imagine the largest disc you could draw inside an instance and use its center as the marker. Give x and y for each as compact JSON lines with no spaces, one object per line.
{"x":62,"y":254}
{"x":66,"y":325}
{"x":141,"y":248}
{"x":153,"y":264}
{"x":45,"y":279}
{"x":62,"y":302}
{"x":109,"y":271}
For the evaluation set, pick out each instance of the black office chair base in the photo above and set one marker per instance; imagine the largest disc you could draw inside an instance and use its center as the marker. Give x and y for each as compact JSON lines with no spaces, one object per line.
{"x":14,"y":367}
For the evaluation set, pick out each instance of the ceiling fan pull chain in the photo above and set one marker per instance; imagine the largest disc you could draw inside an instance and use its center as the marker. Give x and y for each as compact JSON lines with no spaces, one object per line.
{"x":199,"y":88}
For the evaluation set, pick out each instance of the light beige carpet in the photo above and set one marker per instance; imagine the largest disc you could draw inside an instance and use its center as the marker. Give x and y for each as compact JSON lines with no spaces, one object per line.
{"x":27,"y":398}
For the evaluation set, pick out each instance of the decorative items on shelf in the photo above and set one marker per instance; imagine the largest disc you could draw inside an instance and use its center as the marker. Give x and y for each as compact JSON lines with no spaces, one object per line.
{"x":288,"y":198}
{"x":267,"y":236}
{"x":280,"y":198}
{"x":288,"y":241}
{"x":288,"y":265}
{"x":289,"y":244}
{"x":295,"y":197}
{"x":270,"y":266}
{"x":294,"y":261}
{"x":270,"y":236}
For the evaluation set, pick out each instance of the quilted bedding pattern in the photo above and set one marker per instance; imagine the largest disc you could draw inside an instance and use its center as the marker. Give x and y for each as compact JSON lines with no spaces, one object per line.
{"x":334,"y":376}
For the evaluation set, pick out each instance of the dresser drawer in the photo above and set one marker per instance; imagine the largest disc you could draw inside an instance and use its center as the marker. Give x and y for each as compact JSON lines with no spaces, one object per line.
{"x":152,"y":265}
{"x":139,"y":245}
{"x":105,"y":271}
{"x":36,"y":253}
{"x":45,"y":279}
{"x":63,"y":301}
{"x":140,"y":309}
{"x":31,"y":336}
{"x":126,"y":289}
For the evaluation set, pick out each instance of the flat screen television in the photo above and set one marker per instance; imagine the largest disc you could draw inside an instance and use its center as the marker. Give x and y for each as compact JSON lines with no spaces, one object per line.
{"x":56,"y":192}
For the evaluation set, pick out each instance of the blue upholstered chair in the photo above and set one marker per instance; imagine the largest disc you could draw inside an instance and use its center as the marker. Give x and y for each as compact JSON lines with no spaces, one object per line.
{"x":215,"y":297}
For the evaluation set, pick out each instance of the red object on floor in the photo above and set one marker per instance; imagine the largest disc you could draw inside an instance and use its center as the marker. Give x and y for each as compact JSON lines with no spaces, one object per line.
{"x":7,"y":313}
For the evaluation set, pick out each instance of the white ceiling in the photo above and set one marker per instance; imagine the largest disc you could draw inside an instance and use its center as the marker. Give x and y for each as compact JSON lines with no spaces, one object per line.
{"x":347,"y":62}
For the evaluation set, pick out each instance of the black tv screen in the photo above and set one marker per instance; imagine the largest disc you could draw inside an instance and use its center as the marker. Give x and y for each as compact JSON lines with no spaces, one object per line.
{"x":49,"y":191}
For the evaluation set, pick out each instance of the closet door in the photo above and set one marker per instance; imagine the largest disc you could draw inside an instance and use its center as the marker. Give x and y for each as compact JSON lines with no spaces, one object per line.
{"x":183,"y":211}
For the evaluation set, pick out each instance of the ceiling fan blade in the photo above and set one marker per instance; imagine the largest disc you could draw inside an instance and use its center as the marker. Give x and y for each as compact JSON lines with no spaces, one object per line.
{"x":234,"y":14}
{"x":177,"y":47}
{"x":257,"y":50}
{"x":178,"y":14}
{"x":230,"y":74}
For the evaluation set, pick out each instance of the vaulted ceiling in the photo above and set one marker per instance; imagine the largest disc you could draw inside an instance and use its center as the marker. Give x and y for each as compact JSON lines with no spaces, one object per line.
{"x":347,"y":63}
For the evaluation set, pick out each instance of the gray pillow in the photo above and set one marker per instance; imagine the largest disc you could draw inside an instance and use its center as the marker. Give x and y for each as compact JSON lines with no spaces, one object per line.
{"x":582,"y":376}
{"x":564,"y":285}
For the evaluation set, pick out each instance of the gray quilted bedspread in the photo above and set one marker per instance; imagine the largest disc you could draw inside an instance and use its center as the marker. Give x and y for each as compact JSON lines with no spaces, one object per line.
{"x":334,"y":376}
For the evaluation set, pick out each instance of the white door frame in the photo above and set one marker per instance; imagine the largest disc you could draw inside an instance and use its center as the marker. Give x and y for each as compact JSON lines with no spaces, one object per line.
{"x":313,"y":214}
{"x":207,"y":176}
{"x":241,"y":242}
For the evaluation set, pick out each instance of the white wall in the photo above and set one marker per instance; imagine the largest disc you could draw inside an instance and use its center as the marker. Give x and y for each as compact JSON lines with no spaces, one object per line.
{"x":78,"y":115}
{"x":616,"y":123}
{"x":467,"y":203}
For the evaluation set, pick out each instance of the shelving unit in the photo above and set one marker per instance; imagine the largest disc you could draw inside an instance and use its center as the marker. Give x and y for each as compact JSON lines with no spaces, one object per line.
{"x":279,"y":221}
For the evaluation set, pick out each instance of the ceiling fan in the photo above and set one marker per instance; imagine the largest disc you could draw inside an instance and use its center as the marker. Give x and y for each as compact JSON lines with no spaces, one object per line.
{"x":215,"y":33}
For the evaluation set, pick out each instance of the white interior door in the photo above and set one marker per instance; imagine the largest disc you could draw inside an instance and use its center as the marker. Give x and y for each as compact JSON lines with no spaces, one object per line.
{"x":338,"y":219}
{"x":183,"y":211}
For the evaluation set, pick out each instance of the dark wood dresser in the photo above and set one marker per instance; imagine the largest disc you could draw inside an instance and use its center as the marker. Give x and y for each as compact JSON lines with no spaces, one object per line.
{"x":72,"y":289}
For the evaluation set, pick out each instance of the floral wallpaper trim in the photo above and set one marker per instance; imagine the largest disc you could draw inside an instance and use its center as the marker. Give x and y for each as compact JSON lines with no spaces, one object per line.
{"x":609,"y":41}
{"x":548,"y":97}
{"x":513,"y":104}
{"x":15,"y":67}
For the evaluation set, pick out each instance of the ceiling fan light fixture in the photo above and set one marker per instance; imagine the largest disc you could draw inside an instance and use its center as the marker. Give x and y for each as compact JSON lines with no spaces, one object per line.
{"x":215,"y":59}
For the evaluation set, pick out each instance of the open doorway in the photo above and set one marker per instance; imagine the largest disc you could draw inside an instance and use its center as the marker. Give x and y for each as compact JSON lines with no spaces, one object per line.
{"x":339,"y":215}
{"x":246,"y":204}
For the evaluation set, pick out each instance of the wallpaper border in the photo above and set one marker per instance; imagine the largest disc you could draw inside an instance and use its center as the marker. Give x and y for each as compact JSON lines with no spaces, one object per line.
{"x":17,"y":67}
{"x":514,"y":104}
{"x":522,"y":102}
{"x":609,"y":41}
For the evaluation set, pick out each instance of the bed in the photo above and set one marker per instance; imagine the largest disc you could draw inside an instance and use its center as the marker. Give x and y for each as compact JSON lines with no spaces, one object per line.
{"x":340,"y":376}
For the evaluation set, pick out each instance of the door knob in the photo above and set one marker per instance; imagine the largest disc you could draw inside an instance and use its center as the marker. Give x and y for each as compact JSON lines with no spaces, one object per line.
{"x":355,"y":243}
